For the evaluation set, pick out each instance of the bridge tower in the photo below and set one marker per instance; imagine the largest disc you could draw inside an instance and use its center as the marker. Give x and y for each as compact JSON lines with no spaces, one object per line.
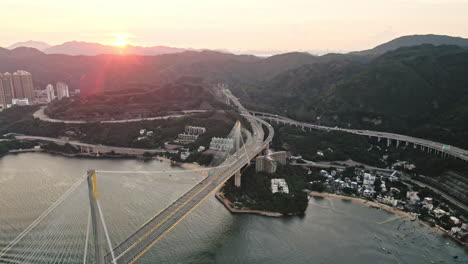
{"x":95,"y":218}
{"x":237,"y":146}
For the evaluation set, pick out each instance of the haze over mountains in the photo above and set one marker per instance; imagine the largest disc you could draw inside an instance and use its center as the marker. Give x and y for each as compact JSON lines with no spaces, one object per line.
{"x":91,"y":49}
{"x":407,"y":85}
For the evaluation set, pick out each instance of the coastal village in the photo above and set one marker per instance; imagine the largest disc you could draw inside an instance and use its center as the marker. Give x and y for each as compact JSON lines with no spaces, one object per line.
{"x":388,"y":188}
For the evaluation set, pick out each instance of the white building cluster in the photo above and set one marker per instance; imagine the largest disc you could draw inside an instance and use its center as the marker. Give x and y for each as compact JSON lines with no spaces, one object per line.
{"x":190,"y":134}
{"x":194,"y":130}
{"x":222,"y":144}
{"x":279,"y":185}
{"x":50,"y":93}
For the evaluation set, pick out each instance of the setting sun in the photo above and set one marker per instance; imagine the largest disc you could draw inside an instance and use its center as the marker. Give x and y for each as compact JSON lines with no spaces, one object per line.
{"x":120,"y":42}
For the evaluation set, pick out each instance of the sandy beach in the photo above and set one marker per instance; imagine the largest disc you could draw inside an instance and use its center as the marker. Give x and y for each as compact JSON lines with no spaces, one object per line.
{"x":376,"y":205}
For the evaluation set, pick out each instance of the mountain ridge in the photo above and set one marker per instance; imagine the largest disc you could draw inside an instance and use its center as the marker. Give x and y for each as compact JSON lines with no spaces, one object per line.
{"x":414,"y":40}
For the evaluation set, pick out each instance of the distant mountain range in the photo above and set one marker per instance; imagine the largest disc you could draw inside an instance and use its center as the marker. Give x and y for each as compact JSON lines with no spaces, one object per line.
{"x":39,"y":45}
{"x":414,"y":85}
{"x":75,"y":48}
{"x":91,"y":49}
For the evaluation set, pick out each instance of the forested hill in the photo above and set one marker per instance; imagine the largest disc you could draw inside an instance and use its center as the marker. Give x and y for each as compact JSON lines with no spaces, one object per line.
{"x":414,"y":40}
{"x":420,"y":90}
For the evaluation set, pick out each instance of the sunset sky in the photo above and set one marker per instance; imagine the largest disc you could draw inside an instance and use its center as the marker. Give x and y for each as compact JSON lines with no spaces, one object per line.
{"x":241,"y":25}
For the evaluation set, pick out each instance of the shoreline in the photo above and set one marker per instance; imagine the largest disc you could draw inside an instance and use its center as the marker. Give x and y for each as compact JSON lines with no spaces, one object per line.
{"x":376,"y":205}
{"x":185,"y":166}
{"x":228,"y":205}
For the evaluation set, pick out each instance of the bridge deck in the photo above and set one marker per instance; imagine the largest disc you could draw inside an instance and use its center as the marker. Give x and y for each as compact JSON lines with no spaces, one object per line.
{"x":151,"y":232}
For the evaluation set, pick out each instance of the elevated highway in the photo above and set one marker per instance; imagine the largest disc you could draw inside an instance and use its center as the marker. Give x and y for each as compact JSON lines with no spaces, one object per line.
{"x":152,"y":231}
{"x":424,"y":144}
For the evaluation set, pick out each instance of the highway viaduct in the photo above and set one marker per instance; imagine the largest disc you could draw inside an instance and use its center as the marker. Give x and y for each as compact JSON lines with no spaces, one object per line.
{"x":423,"y":144}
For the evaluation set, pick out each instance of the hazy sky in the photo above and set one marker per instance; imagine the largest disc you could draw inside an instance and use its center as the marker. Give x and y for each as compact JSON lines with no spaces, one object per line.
{"x":231,"y":24}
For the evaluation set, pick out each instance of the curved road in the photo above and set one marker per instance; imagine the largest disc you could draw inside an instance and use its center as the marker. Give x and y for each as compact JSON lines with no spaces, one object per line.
{"x":39,"y":114}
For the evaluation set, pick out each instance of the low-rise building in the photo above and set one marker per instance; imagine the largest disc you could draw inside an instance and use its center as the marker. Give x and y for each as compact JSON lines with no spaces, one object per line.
{"x":186,"y":138}
{"x":389,"y":201}
{"x":279,"y":185}
{"x":454,"y":220}
{"x":22,"y":101}
{"x":201,"y":149}
{"x":194,"y":130}
{"x":438,"y":213}
{"x":368,"y":180}
{"x":412,"y":198}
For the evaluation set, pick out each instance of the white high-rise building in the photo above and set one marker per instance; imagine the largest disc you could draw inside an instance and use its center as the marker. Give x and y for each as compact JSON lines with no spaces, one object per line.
{"x":50,"y":93}
{"x":62,"y":90}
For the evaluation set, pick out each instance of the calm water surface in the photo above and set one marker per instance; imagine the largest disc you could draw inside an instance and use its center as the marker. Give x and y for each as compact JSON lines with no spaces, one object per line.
{"x":333,"y":231}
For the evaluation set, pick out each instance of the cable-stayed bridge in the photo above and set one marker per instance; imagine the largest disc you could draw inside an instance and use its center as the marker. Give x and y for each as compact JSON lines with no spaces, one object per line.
{"x":74,"y":230}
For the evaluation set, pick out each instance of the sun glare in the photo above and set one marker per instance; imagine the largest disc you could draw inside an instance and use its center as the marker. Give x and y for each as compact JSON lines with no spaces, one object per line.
{"x":120,"y":42}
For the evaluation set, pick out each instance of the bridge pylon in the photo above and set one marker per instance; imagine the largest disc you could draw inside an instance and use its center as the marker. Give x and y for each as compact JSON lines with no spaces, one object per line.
{"x":95,"y":218}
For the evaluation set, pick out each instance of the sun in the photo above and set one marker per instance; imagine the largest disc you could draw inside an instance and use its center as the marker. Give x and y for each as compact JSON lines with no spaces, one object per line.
{"x":120,"y":42}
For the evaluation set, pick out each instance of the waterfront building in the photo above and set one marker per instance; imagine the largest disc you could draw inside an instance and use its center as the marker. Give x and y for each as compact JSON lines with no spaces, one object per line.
{"x":62,"y":90}
{"x":368,"y":180}
{"x":438,"y":213}
{"x":412,"y":198}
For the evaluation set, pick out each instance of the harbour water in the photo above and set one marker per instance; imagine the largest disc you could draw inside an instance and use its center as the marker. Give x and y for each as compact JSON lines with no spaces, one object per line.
{"x":332,"y":231}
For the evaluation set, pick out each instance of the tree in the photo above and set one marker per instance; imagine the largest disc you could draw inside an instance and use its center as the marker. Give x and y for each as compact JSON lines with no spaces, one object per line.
{"x":317,"y":186}
{"x":377,"y":184}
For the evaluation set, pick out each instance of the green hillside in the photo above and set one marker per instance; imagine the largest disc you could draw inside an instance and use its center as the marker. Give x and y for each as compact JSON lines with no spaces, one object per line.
{"x":420,"y":90}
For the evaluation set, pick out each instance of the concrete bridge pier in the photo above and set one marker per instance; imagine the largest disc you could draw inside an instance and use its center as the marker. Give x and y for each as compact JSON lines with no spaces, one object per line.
{"x":422,"y":148}
{"x":378,"y":139}
{"x":397,"y":143}
{"x":406,"y":143}
{"x":414,"y":145}
{"x":237,"y":179}
{"x":389,"y":141}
